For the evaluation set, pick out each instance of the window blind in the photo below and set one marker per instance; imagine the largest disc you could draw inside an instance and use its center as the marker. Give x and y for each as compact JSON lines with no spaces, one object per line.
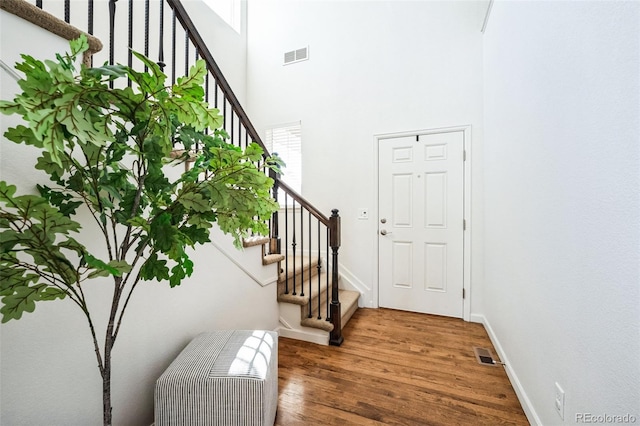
{"x":286,"y":141}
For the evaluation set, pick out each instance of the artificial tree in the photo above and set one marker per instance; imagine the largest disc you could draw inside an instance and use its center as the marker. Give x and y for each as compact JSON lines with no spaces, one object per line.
{"x":105,"y":136}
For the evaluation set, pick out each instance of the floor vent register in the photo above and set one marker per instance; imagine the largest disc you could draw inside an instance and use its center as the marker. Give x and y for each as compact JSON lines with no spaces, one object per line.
{"x":485,"y":357}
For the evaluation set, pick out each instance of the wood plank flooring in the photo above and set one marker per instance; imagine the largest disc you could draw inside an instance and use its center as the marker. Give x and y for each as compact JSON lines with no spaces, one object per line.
{"x":395,"y":368}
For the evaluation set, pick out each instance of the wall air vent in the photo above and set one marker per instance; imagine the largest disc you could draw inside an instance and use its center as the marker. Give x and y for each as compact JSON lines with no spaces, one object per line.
{"x":296,"y":56}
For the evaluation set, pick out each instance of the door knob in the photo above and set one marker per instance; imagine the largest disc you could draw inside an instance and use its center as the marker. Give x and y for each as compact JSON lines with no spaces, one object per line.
{"x":384,"y":232}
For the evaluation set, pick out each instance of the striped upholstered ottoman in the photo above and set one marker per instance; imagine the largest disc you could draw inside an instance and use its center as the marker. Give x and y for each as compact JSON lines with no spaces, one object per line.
{"x":222,"y":378}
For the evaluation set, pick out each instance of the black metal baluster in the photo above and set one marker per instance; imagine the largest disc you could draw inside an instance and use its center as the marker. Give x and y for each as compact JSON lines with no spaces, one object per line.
{"x":146,"y":31}
{"x":90,"y":23}
{"x":186,"y":52}
{"x":67,"y":11}
{"x":233,"y":141}
{"x":274,"y":235}
{"x":319,"y":266}
{"x":39,"y":3}
{"x":161,"y":63}
{"x":130,"y":53}
{"x":224,"y":112}
{"x":206,"y":87}
{"x":89,"y":17}
{"x":173,"y":49}
{"x":286,"y":242}
{"x":302,"y":249}
{"x":328,"y":263}
{"x":293,"y":217}
{"x":112,"y":23}
{"x":310,"y":275}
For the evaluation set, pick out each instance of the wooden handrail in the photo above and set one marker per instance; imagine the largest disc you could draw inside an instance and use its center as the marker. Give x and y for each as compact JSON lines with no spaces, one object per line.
{"x":304,"y":203}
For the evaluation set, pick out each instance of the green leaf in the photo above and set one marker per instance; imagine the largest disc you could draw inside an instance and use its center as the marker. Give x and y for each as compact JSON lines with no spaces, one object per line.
{"x":22,"y":134}
{"x":121,"y":265}
{"x":194,"y":201}
{"x":102,"y":269}
{"x":150,"y":83}
{"x":139,"y":222}
{"x":79,"y":45}
{"x":7,"y":191}
{"x":8,"y":108}
{"x":111,"y":72}
{"x":163,"y":233}
{"x":12,"y":277}
{"x":154,"y":268}
{"x":21,"y":301}
{"x":191,"y":85}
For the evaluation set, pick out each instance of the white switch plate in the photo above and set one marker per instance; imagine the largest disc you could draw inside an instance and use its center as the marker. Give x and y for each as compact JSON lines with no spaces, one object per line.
{"x":363,"y":214}
{"x":559,"y":401}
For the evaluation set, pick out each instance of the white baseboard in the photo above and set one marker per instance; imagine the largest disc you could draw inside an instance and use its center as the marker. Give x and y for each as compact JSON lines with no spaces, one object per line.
{"x":477,"y":318}
{"x":527,"y":406}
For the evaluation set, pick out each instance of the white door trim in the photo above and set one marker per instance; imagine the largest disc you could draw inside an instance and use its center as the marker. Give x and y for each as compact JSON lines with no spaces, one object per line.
{"x":466,"y":129}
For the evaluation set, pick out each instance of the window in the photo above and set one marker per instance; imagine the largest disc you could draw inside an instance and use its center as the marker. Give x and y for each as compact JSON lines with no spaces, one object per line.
{"x":286,"y":141}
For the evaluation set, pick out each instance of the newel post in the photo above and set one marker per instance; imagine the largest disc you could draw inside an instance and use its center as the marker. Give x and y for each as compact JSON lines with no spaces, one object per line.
{"x":335,"y":338}
{"x":274,"y":236}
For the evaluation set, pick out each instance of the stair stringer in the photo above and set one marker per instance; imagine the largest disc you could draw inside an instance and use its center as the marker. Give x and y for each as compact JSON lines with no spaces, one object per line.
{"x":246,"y":259}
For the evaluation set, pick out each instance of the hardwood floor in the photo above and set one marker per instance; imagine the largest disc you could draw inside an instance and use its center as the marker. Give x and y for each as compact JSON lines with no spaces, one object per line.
{"x":395,"y":368}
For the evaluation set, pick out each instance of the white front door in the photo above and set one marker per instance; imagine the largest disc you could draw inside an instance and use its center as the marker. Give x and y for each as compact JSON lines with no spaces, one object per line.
{"x":420,"y":223}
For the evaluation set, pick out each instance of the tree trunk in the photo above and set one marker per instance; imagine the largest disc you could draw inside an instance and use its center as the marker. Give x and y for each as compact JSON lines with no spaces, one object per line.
{"x":106,"y":390}
{"x":106,"y":378}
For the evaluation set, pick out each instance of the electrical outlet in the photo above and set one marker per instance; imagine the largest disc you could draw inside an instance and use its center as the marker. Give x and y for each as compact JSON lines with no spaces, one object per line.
{"x":363,"y":214}
{"x":559,"y":401}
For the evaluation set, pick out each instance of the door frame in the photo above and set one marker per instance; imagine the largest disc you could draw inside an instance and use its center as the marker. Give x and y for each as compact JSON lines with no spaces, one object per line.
{"x":466,"y":256}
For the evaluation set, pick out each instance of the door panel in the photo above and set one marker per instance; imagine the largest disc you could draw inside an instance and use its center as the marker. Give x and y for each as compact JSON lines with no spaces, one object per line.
{"x":421,"y":205}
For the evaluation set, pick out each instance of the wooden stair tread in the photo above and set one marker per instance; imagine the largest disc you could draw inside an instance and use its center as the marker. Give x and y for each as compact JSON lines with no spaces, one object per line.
{"x":257,"y":240}
{"x":272,"y":258}
{"x":348,"y":298}
{"x":348,"y":304}
{"x":297,"y":299}
{"x":301,"y":263}
{"x":321,"y":324}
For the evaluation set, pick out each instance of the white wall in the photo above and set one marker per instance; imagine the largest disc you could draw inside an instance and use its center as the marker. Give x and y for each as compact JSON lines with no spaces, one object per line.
{"x":49,"y":371}
{"x":375,"y":67}
{"x":562,"y":162}
{"x":228,"y":47}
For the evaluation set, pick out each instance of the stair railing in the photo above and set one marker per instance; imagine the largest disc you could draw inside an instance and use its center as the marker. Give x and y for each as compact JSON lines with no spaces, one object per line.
{"x":322,"y":233}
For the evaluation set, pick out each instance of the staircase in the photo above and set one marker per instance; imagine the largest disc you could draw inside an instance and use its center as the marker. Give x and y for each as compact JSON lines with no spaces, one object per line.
{"x":303,"y":242}
{"x":304,"y":294}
